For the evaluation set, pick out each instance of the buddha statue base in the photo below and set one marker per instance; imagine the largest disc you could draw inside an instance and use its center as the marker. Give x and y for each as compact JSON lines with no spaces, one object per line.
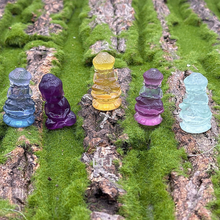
{"x":18,"y":123}
{"x":148,"y":120}
{"x":106,"y":105}
{"x":195,"y":128}
{"x":56,"y":124}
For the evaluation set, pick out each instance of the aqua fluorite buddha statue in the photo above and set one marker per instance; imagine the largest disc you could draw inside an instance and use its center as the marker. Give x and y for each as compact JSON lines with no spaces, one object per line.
{"x":106,"y":90}
{"x":149,"y":105}
{"x":57,"y":108}
{"x":195,"y":114}
{"x":19,"y":107}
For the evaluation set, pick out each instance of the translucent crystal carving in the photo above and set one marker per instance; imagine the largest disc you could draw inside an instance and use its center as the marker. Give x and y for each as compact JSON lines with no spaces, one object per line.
{"x":106,"y":90}
{"x":195,"y":113}
{"x":57,"y":108}
{"x":19,"y":107}
{"x":149,"y":105}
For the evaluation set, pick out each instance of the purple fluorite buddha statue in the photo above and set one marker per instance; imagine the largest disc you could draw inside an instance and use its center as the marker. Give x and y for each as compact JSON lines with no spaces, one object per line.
{"x":149,"y":105}
{"x":57,"y":108}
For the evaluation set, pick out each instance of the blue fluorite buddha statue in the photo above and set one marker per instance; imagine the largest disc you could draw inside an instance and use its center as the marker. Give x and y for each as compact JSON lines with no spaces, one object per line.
{"x":195,"y":114}
{"x":19,"y":107}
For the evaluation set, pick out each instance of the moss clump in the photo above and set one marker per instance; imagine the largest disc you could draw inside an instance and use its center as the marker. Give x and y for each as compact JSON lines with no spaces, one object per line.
{"x":211,"y":63}
{"x":67,"y":11}
{"x":8,"y":210}
{"x":11,"y":15}
{"x":11,"y":139}
{"x":214,"y":6}
{"x":132,"y":53}
{"x":18,"y":7}
{"x":33,"y":9}
{"x":214,"y":206}
{"x":15,"y":36}
{"x":101,"y":32}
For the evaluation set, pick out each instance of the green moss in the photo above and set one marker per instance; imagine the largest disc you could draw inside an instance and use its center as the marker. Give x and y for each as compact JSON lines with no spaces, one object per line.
{"x":18,"y":7}
{"x":11,"y":15}
{"x":214,"y":6}
{"x":16,"y":35}
{"x":132,"y":54}
{"x":61,"y":23}
{"x":6,"y":209}
{"x":84,"y":28}
{"x":154,"y":151}
{"x":101,"y":32}
{"x":119,"y":63}
{"x":211,"y":60}
{"x":36,"y":43}
{"x":5,"y":21}
{"x":63,"y":196}
{"x":33,"y":9}
{"x":67,"y":11}
{"x":11,"y":139}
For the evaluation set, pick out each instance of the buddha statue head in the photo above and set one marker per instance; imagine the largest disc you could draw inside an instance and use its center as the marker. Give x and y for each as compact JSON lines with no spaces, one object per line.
{"x":51,"y":88}
{"x":19,"y":77}
{"x":195,"y":82}
{"x":103,"y":61}
{"x":153,"y":77}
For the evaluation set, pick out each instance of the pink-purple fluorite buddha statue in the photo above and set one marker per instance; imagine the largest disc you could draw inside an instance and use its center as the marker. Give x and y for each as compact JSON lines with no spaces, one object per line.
{"x":149,"y":105}
{"x":57,"y":108}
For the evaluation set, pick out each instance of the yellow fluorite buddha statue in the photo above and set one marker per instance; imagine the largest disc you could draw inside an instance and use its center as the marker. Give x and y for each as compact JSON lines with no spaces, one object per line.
{"x":106,"y":90}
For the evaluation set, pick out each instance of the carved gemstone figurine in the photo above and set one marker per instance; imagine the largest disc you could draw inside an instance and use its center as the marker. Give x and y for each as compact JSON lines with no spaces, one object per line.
{"x":149,"y":105}
{"x":57,"y":107}
{"x":196,"y":115}
{"x":19,"y":107}
{"x":106,"y":90}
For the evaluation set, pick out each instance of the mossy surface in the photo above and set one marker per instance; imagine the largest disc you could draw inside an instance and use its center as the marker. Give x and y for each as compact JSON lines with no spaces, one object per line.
{"x":8,"y":61}
{"x":197,"y":48}
{"x":62,"y":149}
{"x":63,"y":196}
{"x":6,"y":209}
{"x":214,"y":6}
{"x":33,"y":9}
{"x":152,"y":152}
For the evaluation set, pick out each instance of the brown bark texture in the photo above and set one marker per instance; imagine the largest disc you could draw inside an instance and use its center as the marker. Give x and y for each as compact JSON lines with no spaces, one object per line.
{"x":42,"y":25}
{"x":118,"y":14}
{"x":15,"y":181}
{"x":207,"y":16}
{"x":102,"y":130}
{"x":191,"y":194}
{"x":102,"y":215}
